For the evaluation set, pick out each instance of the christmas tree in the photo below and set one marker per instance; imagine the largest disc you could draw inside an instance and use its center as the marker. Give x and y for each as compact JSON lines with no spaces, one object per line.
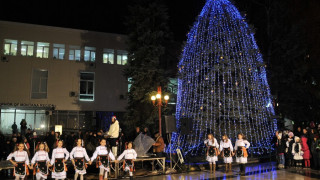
{"x":222,"y":84}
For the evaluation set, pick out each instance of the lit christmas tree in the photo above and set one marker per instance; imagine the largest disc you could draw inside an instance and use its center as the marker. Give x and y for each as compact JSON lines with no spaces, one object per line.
{"x":222,"y":84}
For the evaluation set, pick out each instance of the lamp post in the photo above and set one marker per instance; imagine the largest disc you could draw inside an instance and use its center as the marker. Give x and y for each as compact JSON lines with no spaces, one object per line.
{"x":158,"y":97}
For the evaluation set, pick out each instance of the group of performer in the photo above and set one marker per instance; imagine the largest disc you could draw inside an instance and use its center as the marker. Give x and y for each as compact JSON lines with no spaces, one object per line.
{"x":227,"y":151}
{"x":79,"y":157}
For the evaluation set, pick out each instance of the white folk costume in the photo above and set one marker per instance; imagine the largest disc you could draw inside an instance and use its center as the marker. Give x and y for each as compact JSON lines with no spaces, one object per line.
{"x":60,"y":168}
{"x":22,"y":160}
{"x":129,"y":156}
{"x":212,"y":150}
{"x":40,"y":160}
{"x":226,"y":148}
{"x":297,"y":152}
{"x":79,"y":155}
{"x":241,"y":152}
{"x":103,"y":159}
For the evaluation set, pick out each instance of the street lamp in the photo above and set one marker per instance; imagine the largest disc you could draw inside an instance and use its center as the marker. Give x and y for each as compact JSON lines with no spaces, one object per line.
{"x":159,"y":104}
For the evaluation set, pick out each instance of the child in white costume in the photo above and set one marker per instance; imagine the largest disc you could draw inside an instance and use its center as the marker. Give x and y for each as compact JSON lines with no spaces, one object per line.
{"x":77,"y":156}
{"x":129,"y":155}
{"x":212,"y":151}
{"x":227,"y":151}
{"x":42,"y":161}
{"x":21,"y":161}
{"x":103,"y":156}
{"x":59,"y":156}
{"x":297,"y":152}
{"x":241,"y":147}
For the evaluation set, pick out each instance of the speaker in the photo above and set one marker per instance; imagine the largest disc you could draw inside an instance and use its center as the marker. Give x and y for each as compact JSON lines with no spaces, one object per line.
{"x":186,"y":125}
{"x":72,"y":94}
{"x":170,"y":124}
{"x":4,"y":59}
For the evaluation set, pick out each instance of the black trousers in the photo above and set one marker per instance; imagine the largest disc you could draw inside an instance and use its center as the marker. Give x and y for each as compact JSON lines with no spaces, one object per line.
{"x":242,"y":168}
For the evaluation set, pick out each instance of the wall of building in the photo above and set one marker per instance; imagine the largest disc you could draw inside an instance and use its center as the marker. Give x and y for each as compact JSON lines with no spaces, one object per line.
{"x":63,"y":75}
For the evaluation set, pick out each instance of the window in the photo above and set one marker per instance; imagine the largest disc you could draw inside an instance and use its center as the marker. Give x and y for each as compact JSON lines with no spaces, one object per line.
{"x":27,"y":48}
{"x":74,"y":53}
{"x":39,"y":84}
{"x":42,"y":50}
{"x":87,"y":86}
{"x":122,"y":57}
{"x":10,"y":47}
{"x":58,"y":51}
{"x":89,"y":53}
{"x":108,"y":56}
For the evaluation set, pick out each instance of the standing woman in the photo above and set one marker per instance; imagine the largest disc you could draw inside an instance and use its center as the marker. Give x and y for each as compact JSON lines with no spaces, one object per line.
{"x":78,"y":156}
{"x":41,"y":160}
{"x":59,"y":156}
{"x":212,"y":152}
{"x":227,"y":151}
{"x":241,"y":147}
{"x":21,"y":161}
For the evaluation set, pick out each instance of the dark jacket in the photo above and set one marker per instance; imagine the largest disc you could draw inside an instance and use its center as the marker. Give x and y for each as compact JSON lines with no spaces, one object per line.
{"x":281,"y":146}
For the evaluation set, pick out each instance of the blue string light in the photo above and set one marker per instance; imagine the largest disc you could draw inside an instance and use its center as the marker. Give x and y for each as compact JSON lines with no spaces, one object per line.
{"x":222,"y":83}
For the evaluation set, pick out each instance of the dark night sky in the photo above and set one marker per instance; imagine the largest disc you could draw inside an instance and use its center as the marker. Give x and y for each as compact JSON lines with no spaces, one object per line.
{"x":94,"y":15}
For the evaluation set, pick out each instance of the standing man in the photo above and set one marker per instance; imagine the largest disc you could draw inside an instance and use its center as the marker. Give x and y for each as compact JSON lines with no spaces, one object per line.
{"x":158,"y":146}
{"x":23,"y":128}
{"x":113,"y":134}
{"x":14,"y":128}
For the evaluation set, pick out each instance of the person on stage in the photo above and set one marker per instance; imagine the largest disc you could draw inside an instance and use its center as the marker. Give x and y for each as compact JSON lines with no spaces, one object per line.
{"x":41,"y":161}
{"x":59,"y":156}
{"x":212,"y":152}
{"x":227,"y":152}
{"x":158,"y":146}
{"x":113,"y":135}
{"x":103,"y":156}
{"x":20,"y":163}
{"x":241,"y":147}
{"x":129,"y":156}
{"x":78,"y":156}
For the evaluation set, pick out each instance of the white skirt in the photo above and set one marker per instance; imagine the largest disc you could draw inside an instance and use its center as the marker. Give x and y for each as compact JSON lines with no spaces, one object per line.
{"x":227,"y":159}
{"x":81,"y":171}
{"x":212,"y":159}
{"x":104,"y":168}
{"x":241,"y":160}
{"x":40,"y":175}
{"x":59,"y":175}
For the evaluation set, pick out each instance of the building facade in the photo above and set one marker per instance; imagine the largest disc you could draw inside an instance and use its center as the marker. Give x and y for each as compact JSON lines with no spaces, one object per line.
{"x":58,"y":76}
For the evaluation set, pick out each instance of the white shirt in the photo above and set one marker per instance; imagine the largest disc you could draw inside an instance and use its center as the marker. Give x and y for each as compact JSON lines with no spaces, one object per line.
{"x":40,"y":156}
{"x":79,"y":152}
{"x":128,"y":154}
{"x":114,"y":129}
{"x":241,"y":142}
{"x":224,"y":144}
{"x":58,"y":153}
{"x":19,"y":156}
{"x":210,"y":143}
{"x":102,"y":151}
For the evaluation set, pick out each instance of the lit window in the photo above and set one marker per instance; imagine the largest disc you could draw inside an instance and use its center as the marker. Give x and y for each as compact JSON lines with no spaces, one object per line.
{"x":42,"y":50}
{"x":10,"y":47}
{"x":27,"y":48}
{"x":89,"y":53}
{"x":122,"y":57}
{"x":108,"y":56}
{"x":74,"y":53}
{"x":86,"y":86}
{"x":39,"y":84}
{"x":58,"y":51}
